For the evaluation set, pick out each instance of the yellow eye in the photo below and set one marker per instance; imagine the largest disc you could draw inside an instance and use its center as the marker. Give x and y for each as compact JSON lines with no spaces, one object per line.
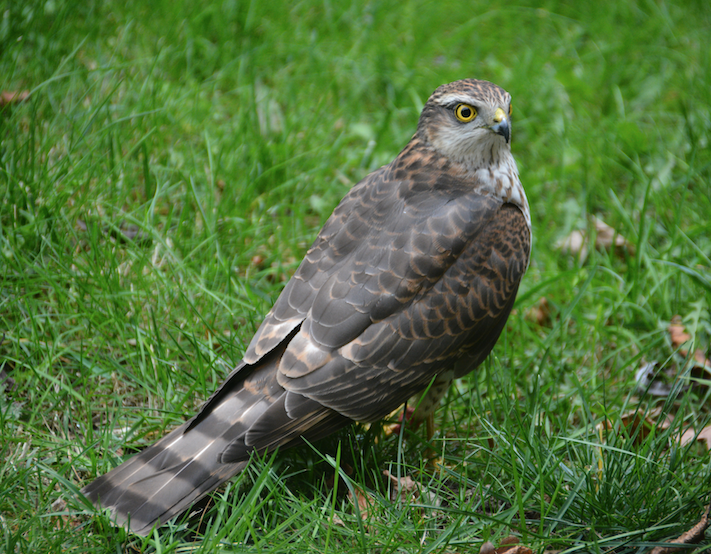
{"x":464,"y":112}
{"x":510,"y":109}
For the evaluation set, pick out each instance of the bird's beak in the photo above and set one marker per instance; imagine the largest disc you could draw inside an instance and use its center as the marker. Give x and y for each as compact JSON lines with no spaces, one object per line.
{"x":501,"y":125}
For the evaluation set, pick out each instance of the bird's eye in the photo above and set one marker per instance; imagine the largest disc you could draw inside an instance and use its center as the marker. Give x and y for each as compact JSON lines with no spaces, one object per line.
{"x":464,"y":112}
{"x":510,"y":109}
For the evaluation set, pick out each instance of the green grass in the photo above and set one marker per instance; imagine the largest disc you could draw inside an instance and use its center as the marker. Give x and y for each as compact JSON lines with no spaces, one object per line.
{"x":224,"y":133}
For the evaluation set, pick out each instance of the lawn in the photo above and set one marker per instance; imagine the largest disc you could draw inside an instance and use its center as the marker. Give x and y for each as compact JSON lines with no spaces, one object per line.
{"x":170,"y":163}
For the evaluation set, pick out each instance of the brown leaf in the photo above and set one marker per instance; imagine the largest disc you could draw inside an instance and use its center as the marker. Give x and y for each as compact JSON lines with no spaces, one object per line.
{"x":518,"y":549}
{"x":638,"y":424}
{"x":575,"y":243}
{"x":487,"y":548}
{"x":5,"y":380}
{"x":578,"y":242}
{"x":607,"y":238}
{"x":363,"y":500}
{"x":679,"y":336}
{"x":13,"y":97}
{"x":690,"y":435}
{"x":677,"y":332}
{"x":540,"y":313}
{"x":407,"y":488}
{"x":701,"y":358}
{"x":509,"y":545}
{"x":692,"y":536}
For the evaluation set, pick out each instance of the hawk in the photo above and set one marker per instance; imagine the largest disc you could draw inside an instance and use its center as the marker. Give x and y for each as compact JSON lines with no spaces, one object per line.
{"x":407,"y":286}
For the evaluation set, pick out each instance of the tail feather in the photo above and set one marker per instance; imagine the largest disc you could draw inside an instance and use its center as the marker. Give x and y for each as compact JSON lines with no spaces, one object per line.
{"x":194,"y":459}
{"x":163,"y":480}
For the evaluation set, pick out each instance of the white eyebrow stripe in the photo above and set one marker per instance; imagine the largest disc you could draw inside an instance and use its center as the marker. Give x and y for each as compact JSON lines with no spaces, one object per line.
{"x":454,"y":97}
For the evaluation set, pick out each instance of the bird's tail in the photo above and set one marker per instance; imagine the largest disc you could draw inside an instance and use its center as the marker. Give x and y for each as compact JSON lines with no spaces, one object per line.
{"x":167,"y":477}
{"x":250,"y":412}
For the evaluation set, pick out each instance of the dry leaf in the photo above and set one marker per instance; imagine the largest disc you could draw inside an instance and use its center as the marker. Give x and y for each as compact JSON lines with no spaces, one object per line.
{"x":540,"y":313}
{"x":13,"y":97}
{"x":405,"y":487}
{"x":606,"y":238}
{"x":363,"y":500}
{"x":258,"y":261}
{"x":574,"y":244}
{"x":577,"y":243}
{"x":701,"y":374}
{"x":677,"y":332}
{"x":518,"y":549}
{"x":7,"y":382}
{"x":679,"y":336}
{"x":692,"y":536}
{"x":690,"y":435}
{"x":638,"y":424}
{"x":509,"y":545}
{"x":647,"y":382}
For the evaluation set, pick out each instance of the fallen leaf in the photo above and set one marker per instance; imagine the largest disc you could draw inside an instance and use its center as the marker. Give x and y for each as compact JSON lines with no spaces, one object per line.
{"x":405,"y":487}
{"x":578,"y":242}
{"x":60,"y":517}
{"x":509,"y":545}
{"x":518,"y":549}
{"x":540,"y":313}
{"x":6,"y":382}
{"x":690,"y":435}
{"x":13,"y":97}
{"x":363,"y":500}
{"x":637,"y":424}
{"x":677,"y":332}
{"x":258,"y":261}
{"x":606,"y":238}
{"x":648,"y":382}
{"x":679,"y":336}
{"x":692,"y":536}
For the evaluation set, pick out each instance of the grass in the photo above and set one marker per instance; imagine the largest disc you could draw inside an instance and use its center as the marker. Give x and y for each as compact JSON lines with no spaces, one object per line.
{"x":173,"y":162}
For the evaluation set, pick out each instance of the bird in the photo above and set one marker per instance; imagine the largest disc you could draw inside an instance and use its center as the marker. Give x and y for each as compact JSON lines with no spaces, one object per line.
{"x":407,"y":286}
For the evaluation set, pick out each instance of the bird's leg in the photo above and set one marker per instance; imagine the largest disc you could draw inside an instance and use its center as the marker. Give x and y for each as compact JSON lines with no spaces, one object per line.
{"x":430,"y":426}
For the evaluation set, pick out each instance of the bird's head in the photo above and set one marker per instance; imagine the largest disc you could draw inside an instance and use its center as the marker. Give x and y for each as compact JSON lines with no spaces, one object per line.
{"x":468,"y":121}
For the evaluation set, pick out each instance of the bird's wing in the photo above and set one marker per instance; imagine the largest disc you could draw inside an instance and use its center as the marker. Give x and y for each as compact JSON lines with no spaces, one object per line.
{"x":459,"y":313}
{"x":403,"y":280}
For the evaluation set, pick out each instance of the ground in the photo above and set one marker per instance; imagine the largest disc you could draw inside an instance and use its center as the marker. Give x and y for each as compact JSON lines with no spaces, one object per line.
{"x":163,"y":168}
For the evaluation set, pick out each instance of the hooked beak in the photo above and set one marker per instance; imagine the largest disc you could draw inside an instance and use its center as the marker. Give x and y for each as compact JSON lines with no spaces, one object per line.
{"x":501,"y":125}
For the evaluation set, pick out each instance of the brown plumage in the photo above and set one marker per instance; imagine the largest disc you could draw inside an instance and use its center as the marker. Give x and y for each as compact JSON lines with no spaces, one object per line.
{"x":412,"y":277}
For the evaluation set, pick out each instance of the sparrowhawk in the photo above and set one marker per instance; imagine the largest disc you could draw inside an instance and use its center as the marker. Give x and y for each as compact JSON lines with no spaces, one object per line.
{"x":409,"y":283}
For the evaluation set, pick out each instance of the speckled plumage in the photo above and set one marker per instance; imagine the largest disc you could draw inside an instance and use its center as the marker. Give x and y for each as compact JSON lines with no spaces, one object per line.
{"x":412,"y":277}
